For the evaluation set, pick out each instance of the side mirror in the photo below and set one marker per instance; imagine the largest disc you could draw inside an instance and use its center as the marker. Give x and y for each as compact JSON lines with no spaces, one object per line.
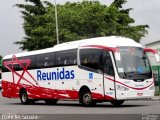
{"x":156,"y":55}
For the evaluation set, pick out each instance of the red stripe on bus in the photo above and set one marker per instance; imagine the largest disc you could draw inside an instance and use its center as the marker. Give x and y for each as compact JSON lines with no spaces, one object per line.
{"x":12,"y":90}
{"x":129,"y":86}
{"x":113,"y":49}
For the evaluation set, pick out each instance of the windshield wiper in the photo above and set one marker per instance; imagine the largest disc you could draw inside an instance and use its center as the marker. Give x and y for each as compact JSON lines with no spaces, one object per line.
{"x":128,"y":74}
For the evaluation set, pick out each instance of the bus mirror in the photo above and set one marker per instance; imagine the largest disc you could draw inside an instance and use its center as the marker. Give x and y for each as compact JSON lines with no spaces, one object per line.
{"x":117,"y":55}
{"x":157,"y":56}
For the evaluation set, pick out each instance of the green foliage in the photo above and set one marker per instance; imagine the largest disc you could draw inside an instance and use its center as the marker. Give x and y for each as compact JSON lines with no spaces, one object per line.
{"x":1,"y":61}
{"x":38,"y":25}
{"x":76,"y":21}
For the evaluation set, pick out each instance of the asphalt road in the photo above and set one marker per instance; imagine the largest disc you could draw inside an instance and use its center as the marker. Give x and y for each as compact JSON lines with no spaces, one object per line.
{"x":129,"y":108}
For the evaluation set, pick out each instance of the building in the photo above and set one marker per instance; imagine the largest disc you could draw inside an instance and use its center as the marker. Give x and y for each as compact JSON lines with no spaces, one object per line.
{"x":155,"y":66}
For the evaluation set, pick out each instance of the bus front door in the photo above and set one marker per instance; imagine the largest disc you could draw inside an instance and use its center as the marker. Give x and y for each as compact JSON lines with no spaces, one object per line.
{"x":109,"y":82}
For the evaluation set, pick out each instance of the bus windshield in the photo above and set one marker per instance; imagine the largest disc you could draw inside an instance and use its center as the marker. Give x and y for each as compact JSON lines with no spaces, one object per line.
{"x":134,"y":64}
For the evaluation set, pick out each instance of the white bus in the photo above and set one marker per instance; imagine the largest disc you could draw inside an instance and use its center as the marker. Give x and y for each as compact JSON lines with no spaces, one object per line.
{"x":93,"y":70}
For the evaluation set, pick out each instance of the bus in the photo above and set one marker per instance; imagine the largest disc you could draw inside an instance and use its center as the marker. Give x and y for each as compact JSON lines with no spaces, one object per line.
{"x":103,"y":69}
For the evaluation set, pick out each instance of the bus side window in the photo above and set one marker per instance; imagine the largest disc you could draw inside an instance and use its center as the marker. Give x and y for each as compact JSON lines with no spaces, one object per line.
{"x":66,"y":58}
{"x":92,"y":58}
{"x":45,"y":60}
{"x":32,"y":64}
{"x":108,"y":66}
{"x":4,"y":69}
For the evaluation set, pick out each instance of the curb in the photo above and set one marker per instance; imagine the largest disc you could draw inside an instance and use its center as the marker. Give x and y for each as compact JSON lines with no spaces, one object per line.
{"x":156,"y":98}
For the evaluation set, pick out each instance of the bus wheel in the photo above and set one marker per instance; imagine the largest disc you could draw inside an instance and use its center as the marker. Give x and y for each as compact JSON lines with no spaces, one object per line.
{"x":86,"y":98}
{"x":51,"y":101}
{"x":24,"y":97}
{"x":117,"y":102}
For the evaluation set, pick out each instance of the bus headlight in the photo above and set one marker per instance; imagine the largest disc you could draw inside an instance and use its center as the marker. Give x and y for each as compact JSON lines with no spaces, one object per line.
{"x":122,"y":88}
{"x":152,"y":87}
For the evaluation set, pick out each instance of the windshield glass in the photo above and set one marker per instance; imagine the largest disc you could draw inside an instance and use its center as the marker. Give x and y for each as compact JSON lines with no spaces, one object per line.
{"x":134,"y":64}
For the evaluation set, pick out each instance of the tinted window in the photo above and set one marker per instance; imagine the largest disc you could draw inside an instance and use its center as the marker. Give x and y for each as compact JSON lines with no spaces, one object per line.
{"x":32,"y":58}
{"x":92,"y":58}
{"x":45,"y":60}
{"x":65,"y":58}
{"x":4,"y":69}
{"x":17,"y":66}
{"x":23,"y":62}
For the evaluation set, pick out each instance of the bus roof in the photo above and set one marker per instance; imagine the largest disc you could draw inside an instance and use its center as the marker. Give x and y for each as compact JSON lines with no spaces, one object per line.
{"x":112,"y":41}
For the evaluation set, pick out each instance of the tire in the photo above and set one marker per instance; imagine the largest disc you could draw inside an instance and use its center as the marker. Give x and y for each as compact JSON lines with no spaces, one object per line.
{"x":51,"y":101}
{"x":86,"y":98}
{"x":24,"y":97}
{"x":117,"y":102}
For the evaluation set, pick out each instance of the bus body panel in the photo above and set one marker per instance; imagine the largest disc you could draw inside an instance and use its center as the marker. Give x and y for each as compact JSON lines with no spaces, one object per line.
{"x":109,"y":88}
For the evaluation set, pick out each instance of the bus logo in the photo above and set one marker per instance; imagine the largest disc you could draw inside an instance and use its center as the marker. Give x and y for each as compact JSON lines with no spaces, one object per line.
{"x":90,"y":75}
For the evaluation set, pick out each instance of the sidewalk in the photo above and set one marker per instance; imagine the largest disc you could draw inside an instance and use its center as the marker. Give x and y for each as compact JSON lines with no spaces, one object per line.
{"x":156,"y":98}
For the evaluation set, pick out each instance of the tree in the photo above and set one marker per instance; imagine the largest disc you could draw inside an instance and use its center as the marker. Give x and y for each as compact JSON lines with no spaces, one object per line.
{"x":38,"y":25}
{"x":0,"y":64}
{"x":124,"y":23}
{"x":76,"y":21}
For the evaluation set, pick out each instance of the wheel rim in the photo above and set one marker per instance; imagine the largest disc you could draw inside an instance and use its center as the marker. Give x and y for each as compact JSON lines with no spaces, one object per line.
{"x":24,"y":97}
{"x":87,"y":98}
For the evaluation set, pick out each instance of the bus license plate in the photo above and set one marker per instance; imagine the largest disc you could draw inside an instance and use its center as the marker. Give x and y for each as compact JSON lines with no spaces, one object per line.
{"x":139,"y":94}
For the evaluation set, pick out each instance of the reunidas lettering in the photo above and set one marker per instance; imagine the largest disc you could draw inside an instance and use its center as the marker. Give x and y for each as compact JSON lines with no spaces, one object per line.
{"x":55,"y":75}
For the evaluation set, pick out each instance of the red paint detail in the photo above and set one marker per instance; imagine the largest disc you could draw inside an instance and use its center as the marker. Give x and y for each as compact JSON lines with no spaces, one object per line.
{"x":109,"y":97}
{"x":22,"y":64}
{"x":37,"y":92}
{"x":129,"y":86}
{"x":150,"y":50}
{"x":98,"y":96}
{"x":9,"y":90}
{"x":113,"y":49}
{"x":45,"y":93}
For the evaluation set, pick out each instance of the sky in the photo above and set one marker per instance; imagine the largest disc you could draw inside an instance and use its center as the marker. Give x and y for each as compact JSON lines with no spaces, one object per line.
{"x":144,"y":12}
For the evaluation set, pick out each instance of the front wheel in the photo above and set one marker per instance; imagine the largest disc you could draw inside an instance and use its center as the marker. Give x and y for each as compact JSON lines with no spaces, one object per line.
{"x":86,"y":99}
{"x":117,"y":102}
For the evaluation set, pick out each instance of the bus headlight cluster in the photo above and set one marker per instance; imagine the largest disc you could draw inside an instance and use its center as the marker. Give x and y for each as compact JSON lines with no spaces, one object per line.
{"x":152,"y":87}
{"x":122,"y":88}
